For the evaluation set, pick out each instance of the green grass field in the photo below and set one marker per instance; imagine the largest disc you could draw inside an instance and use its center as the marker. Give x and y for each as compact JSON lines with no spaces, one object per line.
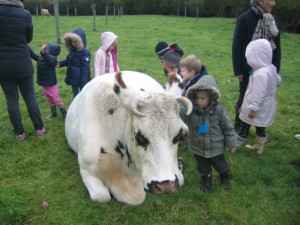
{"x":46,"y":169}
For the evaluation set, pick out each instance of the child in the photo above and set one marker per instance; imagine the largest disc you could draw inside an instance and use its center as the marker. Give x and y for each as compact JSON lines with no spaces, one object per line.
{"x":77,"y":61}
{"x":259,"y":105}
{"x":162,"y":48}
{"x":106,"y":60}
{"x":192,"y":70}
{"x":210,"y":132}
{"x":46,"y":76}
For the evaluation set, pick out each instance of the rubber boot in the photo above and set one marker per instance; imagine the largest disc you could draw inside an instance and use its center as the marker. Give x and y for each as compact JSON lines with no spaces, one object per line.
{"x":225,"y":179}
{"x":206,"y":182}
{"x":259,"y":145}
{"x":237,"y":121}
{"x":63,"y":111}
{"x":53,"y":112}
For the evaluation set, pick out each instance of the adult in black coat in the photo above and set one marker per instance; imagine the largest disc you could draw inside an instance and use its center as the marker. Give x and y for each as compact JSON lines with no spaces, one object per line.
{"x":16,"y":69}
{"x":255,"y":23}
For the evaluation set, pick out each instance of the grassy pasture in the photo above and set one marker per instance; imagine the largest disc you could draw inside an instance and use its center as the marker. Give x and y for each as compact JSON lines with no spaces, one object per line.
{"x":46,"y":169}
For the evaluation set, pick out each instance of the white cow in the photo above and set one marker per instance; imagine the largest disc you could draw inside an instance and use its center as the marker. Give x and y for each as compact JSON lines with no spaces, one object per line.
{"x":125,"y":129}
{"x":45,"y":12}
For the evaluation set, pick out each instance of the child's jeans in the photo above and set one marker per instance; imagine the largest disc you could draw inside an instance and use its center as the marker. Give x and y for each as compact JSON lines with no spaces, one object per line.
{"x":204,"y":165}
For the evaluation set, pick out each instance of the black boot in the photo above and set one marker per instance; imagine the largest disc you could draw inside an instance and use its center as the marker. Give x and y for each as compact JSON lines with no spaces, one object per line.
{"x":53,"y":112}
{"x":237,"y":121}
{"x":206,"y":182}
{"x":296,"y":183}
{"x":63,"y":111}
{"x":225,"y":179}
{"x":295,"y":162}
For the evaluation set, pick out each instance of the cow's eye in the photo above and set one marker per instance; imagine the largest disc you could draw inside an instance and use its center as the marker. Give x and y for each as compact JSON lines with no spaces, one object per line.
{"x":141,"y":140}
{"x":181,"y":136}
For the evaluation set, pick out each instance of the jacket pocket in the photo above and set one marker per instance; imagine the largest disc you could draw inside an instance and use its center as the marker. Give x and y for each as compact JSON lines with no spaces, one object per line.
{"x":217,"y":144}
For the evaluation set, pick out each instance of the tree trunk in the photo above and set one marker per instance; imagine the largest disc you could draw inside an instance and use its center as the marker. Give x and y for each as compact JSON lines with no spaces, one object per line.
{"x":56,"y":13}
{"x":37,"y":11}
{"x":94,"y":16}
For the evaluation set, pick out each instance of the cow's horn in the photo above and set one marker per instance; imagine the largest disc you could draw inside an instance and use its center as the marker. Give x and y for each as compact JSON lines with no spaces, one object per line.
{"x":187,"y":103}
{"x":133,"y":108}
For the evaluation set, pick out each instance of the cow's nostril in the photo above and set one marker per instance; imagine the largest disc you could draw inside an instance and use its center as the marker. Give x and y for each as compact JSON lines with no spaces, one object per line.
{"x":163,"y":187}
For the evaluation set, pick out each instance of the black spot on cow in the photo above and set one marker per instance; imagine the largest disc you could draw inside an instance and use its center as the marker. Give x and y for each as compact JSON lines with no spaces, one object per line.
{"x":142,"y":89}
{"x":118,"y":150}
{"x":141,"y":140}
{"x":181,"y":136}
{"x":111,"y":111}
{"x":117,"y":89}
{"x":128,"y":156}
{"x":102,"y":150}
{"x":120,"y":144}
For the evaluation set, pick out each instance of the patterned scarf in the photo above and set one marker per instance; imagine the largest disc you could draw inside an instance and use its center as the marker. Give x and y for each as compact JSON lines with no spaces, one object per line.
{"x":12,"y":2}
{"x":266,"y":27}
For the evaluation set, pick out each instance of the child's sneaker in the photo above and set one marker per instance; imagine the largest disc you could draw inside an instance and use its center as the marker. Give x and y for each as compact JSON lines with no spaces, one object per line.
{"x":21,"y":137}
{"x":41,"y":132}
{"x":297,"y":136}
{"x":239,"y":141}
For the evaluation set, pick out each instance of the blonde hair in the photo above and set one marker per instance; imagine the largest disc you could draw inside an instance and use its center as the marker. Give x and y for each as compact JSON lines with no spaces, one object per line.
{"x":191,"y":62}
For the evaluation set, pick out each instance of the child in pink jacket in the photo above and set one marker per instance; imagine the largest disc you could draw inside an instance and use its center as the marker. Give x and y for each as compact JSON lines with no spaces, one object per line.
{"x":106,"y":60}
{"x":259,"y":105}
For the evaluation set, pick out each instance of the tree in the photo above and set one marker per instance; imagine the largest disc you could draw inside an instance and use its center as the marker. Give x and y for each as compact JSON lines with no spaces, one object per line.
{"x":288,"y":13}
{"x":56,"y":13}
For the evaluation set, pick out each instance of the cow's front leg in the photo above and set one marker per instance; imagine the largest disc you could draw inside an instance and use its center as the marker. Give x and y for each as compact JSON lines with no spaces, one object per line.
{"x":98,"y":191}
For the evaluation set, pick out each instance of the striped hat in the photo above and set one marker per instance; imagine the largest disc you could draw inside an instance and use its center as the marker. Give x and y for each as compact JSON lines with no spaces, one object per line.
{"x":171,"y":58}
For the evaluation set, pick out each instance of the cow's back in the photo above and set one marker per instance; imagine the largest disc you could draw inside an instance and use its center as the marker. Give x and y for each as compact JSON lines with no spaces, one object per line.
{"x":96,"y":112}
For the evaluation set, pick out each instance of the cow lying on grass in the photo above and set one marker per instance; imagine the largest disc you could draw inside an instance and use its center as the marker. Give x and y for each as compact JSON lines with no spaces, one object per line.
{"x":125,"y":129}
{"x":45,"y":12}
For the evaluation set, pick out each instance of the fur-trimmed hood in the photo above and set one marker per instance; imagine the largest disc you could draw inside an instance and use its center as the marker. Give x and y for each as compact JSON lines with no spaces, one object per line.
{"x":78,"y":36}
{"x":207,"y":85}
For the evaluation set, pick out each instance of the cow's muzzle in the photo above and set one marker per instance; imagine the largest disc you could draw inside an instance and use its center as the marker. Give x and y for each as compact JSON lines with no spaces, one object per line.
{"x":163,"y":187}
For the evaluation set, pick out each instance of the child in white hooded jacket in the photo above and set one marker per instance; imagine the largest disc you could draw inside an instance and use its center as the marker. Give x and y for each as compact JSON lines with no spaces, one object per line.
{"x":259,"y":105}
{"x":106,"y":60}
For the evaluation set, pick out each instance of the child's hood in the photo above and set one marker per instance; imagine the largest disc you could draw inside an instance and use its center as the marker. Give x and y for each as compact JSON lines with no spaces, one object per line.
{"x":207,"y":84}
{"x":259,"y":53}
{"x":107,"y":38}
{"x":53,"y":49}
{"x":78,"y":36}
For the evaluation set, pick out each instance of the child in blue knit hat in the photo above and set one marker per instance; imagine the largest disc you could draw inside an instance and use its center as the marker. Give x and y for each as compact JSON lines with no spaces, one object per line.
{"x":162,"y":48}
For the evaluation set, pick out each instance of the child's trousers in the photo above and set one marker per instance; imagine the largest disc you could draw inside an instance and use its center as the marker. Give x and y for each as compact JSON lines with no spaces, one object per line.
{"x":52,"y":95}
{"x":204,"y":165}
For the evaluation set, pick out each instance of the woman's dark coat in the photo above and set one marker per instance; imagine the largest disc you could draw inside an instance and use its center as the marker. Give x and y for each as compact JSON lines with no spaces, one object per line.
{"x":16,"y":32}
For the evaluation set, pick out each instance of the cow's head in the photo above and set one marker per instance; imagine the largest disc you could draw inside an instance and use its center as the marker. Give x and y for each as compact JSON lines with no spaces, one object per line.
{"x":152,"y":131}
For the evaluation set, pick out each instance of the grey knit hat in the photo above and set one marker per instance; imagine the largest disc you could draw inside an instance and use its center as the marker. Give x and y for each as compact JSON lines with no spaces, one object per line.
{"x":171,"y":58}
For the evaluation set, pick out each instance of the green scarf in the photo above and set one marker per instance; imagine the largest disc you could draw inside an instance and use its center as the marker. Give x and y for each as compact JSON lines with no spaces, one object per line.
{"x":266,"y":27}
{"x":12,"y":2}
